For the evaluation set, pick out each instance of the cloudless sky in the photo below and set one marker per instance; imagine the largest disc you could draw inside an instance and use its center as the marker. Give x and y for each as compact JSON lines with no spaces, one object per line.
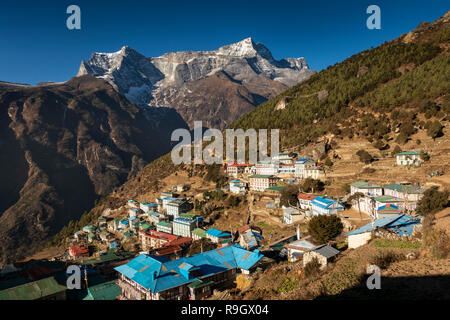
{"x":35,"y":44}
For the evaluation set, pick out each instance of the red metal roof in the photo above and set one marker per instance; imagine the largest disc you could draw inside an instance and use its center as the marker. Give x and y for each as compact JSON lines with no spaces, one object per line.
{"x":306,"y":196}
{"x":159,"y":235}
{"x":179,"y":241}
{"x":78,"y":250}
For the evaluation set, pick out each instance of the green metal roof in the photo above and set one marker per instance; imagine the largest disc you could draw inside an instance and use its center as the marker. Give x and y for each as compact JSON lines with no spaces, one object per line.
{"x":265,"y":176}
{"x":404,"y":188}
{"x":145,"y":226}
{"x":199,"y":283}
{"x":104,"y":291}
{"x":407,"y":153}
{"x":164,"y":224}
{"x":199,"y":232}
{"x":188,"y":215}
{"x":275,"y":188}
{"x":364,"y":185}
{"x":33,"y":290}
{"x":111,"y":255}
{"x":387,"y":199}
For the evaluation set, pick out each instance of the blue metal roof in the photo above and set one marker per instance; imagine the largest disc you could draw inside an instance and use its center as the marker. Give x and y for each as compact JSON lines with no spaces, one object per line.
{"x":183,"y":220}
{"x":303,"y":160}
{"x":323,"y":202}
{"x":399,"y":223}
{"x":217,"y":233}
{"x":158,"y":275}
{"x":149,"y":204}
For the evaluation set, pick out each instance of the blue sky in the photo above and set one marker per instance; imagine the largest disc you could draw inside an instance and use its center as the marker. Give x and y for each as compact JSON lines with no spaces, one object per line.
{"x":37,"y":46}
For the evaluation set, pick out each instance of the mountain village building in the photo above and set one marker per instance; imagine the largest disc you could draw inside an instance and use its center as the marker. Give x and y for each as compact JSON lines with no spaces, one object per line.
{"x":305,"y":201}
{"x":325,"y":206}
{"x":183,"y":226}
{"x":234,"y":170}
{"x":176,"y":207}
{"x":291,"y":215}
{"x":237,"y":186}
{"x":149,"y":277}
{"x":259,"y":182}
{"x":154,"y":239}
{"x":366,"y":188}
{"x":409,"y":158}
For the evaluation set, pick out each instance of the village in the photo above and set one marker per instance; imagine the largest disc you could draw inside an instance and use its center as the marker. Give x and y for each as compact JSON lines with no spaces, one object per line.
{"x":163,"y":248}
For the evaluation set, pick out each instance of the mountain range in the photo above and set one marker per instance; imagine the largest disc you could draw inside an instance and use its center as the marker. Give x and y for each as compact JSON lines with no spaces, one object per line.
{"x":215,"y":87}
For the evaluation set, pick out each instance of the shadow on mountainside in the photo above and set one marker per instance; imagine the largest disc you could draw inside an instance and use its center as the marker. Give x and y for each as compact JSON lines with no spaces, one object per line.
{"x":399,"y":288}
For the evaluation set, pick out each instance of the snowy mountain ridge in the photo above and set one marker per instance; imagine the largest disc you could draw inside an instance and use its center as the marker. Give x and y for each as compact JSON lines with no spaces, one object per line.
{"x":142,"y":80}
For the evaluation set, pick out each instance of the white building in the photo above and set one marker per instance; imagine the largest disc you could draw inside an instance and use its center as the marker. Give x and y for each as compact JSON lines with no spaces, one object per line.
{"x":291,"y":215}
{"x":176,"y":207}
{"x":133,"y":212}
{"x":148,"y":207}
{"x":405,"y":192}
{"x":260,"y":182}
{"x":305,"y":168}
{"x":305,"y":201}
{"x":234,"y":170}
{"x":164,"y":226}
{"x":285,"y":158}
{"x":266,"y":168}
{"x":286,"y":169}
{"x":183,"y":227}
{"x":325,"y":206}
{"x":367,"y":188}
{"x":409,"y":158}
{"x":296,"y":249}
{"x":237,"y":186}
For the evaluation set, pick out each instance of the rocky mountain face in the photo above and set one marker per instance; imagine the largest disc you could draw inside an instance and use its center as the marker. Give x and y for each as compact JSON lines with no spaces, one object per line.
{"x":246,"y":72}
{"x":63,"y":146}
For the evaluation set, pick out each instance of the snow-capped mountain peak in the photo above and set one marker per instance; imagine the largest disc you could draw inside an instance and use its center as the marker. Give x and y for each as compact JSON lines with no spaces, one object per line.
{"x":148,"y":81}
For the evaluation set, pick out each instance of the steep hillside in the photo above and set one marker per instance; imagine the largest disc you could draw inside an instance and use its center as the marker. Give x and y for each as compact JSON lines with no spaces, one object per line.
{"x":369,"y":94}
{"x":63,"y":146}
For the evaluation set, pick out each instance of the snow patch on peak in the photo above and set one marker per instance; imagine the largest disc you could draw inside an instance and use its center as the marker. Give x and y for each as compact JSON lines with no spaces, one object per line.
{"x":243,"y":48}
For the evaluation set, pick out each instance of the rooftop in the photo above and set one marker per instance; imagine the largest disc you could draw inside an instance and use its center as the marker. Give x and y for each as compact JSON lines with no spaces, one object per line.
{"x":217,"y":233}
{"x":399,"y":223}
{"x":408,"y":153}
{"x":164,"y":224}
{"x":275,"y":188}
{"x":33,"y":290}
{"x":104,"y":291}
{"x":326,"y":251}
{"x":306,"y":196}
{"x":365,"y":185}
{"x":199,"y":232}
{"x":409,"y":189}
{"x":386,"y":198}
{"x":261,"y":176}
{"x":158,"y":275}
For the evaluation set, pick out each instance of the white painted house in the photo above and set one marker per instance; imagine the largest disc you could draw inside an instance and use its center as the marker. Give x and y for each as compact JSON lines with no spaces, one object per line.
{"x":306,"y":168}
{"x":291,"y":215}
{"x":183,"y":226}
{"x":409,"y":158}
{"x":237,"y":186}
{"x":365,"y":187}
{"x":259,"y":182}
{"x":325,"y":206}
